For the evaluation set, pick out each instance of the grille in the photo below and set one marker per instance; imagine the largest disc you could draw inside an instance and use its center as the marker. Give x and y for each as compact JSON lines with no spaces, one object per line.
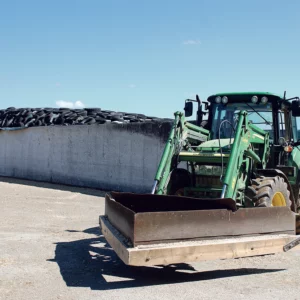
{"x":212,"y":181}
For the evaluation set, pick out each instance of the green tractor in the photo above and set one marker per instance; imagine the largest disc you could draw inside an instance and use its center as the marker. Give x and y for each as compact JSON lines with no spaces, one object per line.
{"x":248,"y":150}
{"x":234,"y":174}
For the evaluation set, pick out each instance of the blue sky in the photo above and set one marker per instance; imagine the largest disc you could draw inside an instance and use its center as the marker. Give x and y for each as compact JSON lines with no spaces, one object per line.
{"x":145,"y":56}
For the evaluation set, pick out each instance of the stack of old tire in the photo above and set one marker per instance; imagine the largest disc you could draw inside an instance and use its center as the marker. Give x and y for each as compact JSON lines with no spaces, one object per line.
{"x":31,"y":117}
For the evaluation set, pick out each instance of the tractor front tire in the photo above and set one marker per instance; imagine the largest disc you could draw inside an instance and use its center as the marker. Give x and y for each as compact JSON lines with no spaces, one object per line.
{"x":268,"y":192}
{"x":180,"y":178}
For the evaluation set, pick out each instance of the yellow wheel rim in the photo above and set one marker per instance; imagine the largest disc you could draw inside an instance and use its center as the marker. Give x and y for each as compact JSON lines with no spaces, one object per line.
{"x":278,"y":199}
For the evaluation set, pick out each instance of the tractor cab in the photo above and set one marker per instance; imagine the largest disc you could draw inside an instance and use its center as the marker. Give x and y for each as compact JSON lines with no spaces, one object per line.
{"x":273,"y":114}
{"x":269,"y":112}
{"x":224,"y":111}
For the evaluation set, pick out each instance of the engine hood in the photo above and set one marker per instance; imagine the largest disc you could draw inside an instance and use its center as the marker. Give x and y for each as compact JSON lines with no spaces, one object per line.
{"x":209,"y":152}
{"x":214,"y":145}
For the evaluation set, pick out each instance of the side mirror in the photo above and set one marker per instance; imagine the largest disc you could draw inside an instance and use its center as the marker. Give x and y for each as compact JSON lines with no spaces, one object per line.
{"x":188,"y":108}
{"x":296,"y":108}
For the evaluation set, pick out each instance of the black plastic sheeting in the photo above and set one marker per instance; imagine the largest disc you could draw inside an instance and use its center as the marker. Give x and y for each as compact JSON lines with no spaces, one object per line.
{"x":31,"y":117}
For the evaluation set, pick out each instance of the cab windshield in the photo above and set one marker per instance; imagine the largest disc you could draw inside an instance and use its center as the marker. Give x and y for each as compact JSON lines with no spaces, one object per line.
{"x":259,"y":114}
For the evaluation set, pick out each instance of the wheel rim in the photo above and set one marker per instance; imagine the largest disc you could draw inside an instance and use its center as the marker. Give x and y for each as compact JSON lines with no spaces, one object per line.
{"x":278,"y":199}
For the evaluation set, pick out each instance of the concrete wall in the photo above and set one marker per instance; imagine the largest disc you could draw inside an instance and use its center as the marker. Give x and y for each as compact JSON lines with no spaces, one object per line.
{"x":120,"y":157}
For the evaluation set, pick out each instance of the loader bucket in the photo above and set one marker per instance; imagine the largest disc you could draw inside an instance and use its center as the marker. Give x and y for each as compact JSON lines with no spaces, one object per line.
{"x":151,"y":219}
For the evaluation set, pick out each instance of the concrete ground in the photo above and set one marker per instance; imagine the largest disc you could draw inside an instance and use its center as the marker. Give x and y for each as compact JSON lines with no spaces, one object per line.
{"x":51,"y":248}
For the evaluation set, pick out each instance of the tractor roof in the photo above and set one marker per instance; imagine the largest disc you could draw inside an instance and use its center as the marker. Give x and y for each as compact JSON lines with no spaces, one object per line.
{"x":245,"y":96}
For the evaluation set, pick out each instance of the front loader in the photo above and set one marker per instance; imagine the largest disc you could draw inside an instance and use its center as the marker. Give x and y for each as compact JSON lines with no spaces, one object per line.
{"x":226,"y":187}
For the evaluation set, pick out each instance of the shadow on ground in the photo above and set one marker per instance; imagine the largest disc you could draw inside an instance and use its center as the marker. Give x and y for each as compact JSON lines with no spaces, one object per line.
{"x":92,"y":263}
{"x":54,"y":186}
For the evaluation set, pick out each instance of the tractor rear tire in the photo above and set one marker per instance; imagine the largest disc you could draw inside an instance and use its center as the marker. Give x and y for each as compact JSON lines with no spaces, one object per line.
{"x":268,"y":192}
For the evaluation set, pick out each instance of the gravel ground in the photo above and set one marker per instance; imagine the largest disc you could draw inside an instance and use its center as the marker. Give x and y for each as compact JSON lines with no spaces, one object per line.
{"x":51,"y":248}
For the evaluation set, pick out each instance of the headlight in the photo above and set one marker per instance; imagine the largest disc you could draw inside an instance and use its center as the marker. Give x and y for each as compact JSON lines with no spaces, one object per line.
{"x":264,"y":100}
{"x":224,"y":99}
{"x":218,"y":99}
{"x":254,"y":99}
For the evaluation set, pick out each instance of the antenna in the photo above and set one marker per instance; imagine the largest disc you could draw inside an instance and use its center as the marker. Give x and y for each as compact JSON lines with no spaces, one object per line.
{"x":284,"y":95}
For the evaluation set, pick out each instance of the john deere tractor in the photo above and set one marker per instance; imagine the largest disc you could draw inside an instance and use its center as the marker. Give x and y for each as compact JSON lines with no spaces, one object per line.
{"x":248,"y":150}
{"x":235,"y":173}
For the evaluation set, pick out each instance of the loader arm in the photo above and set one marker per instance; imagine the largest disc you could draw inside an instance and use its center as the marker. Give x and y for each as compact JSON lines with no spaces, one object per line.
{"x":183,"y":135}
{"x":242,"y":154}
